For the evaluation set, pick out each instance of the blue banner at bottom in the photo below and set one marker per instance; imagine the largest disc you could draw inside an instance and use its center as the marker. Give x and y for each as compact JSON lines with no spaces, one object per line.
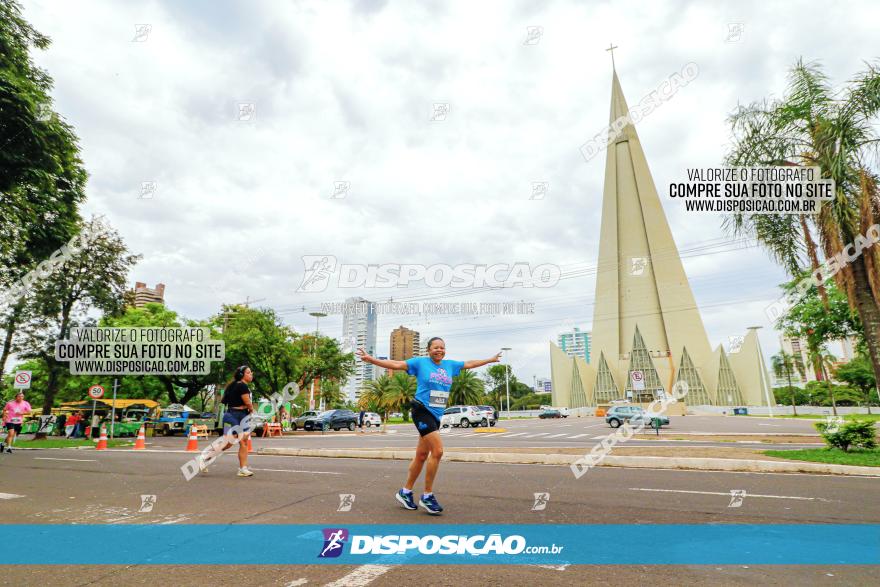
{"x":619,"y":544}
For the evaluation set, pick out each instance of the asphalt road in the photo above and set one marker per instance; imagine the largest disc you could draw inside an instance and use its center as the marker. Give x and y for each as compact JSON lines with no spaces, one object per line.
{"x":75,"y":486}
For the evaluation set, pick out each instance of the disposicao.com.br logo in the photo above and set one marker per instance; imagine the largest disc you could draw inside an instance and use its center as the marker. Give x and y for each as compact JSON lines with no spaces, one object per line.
{"x":320,"y":269}
{"x":455,"y":544}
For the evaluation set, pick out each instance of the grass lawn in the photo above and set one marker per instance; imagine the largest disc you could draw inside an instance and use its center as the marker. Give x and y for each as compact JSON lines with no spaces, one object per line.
{"x":858,"y":457}
{"x":67,"y":443}
{"x":874,"y":417}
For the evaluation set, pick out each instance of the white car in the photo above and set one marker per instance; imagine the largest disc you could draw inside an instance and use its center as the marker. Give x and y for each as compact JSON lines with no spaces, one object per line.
{"x":464,"y":416}
{"x":487,"y":415}
{"x":372,"y":419}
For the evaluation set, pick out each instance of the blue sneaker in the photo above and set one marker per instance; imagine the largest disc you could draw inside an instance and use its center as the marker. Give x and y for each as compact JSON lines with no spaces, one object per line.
{"x":406,"y":499}
{"x":430,"y":504}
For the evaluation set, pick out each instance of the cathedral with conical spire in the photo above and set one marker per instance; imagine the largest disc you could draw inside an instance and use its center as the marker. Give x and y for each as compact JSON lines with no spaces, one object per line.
{"x":647,"y":329}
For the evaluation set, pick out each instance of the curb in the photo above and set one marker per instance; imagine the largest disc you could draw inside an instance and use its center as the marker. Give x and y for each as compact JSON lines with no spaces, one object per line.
{"x":682,"y":463}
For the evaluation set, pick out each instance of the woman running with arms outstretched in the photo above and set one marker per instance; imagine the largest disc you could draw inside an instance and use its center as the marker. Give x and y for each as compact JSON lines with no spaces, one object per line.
{"x":434,"y":376}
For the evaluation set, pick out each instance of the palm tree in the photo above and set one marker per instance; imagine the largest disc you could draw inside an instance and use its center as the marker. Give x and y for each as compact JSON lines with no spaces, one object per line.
{"x":400,"y":393}
{"x":835,"y":131}
{"x":467,"y":389}
{"x":373,"y":397}
{"x":783,"y":363}
{"x":823,"y":362}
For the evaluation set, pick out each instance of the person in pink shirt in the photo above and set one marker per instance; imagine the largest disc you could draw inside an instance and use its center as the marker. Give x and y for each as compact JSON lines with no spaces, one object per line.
{"x":13,"y":416}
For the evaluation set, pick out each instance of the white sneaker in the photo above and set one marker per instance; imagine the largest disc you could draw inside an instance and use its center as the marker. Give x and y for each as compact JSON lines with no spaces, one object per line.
{"x":245,"y":472}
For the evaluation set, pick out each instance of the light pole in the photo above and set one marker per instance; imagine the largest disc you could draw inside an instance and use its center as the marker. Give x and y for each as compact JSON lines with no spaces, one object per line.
{"x":507,"y":381}
{"x":318,"y":316}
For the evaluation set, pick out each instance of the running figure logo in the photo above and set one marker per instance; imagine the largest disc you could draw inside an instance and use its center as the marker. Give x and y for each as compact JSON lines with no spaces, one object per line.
{"x":147,"y":503}
{"x":318,"y":269}
{"x":346,"y":500}
{"x":541,"y":500}
{"x":736,"y":498}
{"x":334,"y":541}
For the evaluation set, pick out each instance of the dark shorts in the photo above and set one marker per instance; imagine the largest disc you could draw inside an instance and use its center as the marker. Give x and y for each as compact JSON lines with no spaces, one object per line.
{"x":11,"y":426}
{"x":234,"y":418}
{"x":424,"y":420}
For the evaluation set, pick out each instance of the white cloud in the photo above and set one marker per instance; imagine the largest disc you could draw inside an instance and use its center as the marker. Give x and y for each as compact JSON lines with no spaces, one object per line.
{"x":344,"y":92}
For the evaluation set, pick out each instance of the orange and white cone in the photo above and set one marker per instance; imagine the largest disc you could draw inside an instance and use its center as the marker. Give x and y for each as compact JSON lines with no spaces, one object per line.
{"x":250,"y":444}
{"x":141,"y":442}
{"x":193,"y":444}
{"x":102,"y":441}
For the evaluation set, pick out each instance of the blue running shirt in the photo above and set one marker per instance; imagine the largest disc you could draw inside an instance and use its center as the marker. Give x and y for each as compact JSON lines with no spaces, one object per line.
{"x":434,"y":381}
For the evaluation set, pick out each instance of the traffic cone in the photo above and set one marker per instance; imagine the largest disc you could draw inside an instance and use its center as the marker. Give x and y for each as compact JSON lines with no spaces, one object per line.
{"x":141,"y":442}
{"x":102,"y":441}
{"x":193,"y":444}
{"x":250,"y":444}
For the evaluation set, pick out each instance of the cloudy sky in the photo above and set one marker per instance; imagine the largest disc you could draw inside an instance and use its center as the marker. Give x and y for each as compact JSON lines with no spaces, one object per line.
{"x":346,"y":92}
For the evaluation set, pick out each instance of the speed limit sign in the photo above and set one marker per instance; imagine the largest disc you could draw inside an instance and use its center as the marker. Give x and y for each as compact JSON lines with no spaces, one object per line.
{"x":96,"y":392}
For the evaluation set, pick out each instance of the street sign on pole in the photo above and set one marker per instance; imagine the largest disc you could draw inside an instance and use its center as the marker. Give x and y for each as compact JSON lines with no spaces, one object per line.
{"x":96,"y":392}
{"x":113,"y":407}
{"x":23,"y":379}
{"x":638,"y":380}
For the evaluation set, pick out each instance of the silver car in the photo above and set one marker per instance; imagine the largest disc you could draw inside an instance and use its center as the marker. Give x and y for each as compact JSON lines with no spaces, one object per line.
{"x":299,"y":422}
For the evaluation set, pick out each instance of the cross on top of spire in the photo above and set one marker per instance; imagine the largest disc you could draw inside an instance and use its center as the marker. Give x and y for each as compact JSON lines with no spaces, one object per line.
{"x":611,"y":48}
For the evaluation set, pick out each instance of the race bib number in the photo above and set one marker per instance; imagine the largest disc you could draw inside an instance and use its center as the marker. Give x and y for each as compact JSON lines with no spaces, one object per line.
{"x":438,"y":398}
{"x":15,"y":420}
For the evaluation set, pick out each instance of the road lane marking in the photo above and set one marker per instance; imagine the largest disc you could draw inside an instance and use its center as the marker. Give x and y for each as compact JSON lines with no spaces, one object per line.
{"x":517,"y":434}
{"x":361,"y":576}
{"x":59,"y":459}
{"x":557,"y":435}
{"x":9,"y":495}
{"x":297,"y":582}
{"x":579,"y":435}
{"x":298,"y":471}
{"x":728,"y":494}
{"x":538,"y":434}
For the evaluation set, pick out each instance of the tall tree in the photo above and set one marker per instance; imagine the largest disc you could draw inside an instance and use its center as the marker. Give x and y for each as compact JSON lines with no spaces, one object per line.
{"x":42,"y":180}
{"x":813,"y":125}
{"x":93,"y":278}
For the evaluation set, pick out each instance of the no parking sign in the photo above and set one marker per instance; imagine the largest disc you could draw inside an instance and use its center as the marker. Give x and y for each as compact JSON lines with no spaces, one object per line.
{"x":638,"y":380}
{"x":23,"y":379}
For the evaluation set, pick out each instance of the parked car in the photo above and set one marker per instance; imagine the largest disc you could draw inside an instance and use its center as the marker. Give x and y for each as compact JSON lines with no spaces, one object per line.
{"x":335,"y":419}
{"x":372,"y":419}
{"x":300,"y":421}
{"x":617,"y":415}
{"x":464,"y":416}
{"x":550,"y":413}
{"x":487,"y":415}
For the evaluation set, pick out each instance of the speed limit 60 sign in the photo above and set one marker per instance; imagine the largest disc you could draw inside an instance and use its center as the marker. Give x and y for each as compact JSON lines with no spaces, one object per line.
{"x":23,"y":379}
{"x":96,"y":392}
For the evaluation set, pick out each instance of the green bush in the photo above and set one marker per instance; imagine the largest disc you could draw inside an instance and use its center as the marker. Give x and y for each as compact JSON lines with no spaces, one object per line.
{"x":855,"y":433}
